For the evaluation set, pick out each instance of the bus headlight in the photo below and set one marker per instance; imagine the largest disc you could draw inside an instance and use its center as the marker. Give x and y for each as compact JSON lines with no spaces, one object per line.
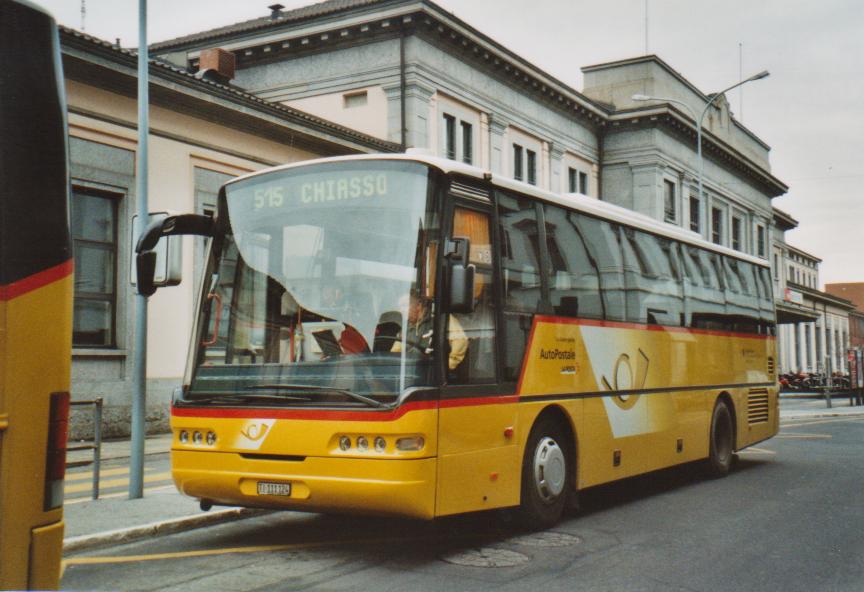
{"x":211,"y":438}
{"x":184,"y":437}
{"x":344,"y":443}
{"x":380,"y":444}
{"x":362,"y":443}
{"x":197,"y":437}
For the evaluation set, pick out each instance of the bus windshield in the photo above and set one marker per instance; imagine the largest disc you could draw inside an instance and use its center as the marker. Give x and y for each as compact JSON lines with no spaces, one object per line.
{"x":318,"y":270}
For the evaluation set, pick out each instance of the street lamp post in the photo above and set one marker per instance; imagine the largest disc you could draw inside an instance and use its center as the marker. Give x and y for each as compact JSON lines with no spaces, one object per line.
{"x":759,"y":76}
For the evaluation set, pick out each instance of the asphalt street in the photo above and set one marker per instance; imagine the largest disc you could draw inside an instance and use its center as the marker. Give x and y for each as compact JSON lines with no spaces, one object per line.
{"x":788,"y":518}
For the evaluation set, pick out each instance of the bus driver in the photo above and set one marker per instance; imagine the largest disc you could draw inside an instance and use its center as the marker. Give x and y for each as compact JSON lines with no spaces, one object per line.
{"x":419,"y":333}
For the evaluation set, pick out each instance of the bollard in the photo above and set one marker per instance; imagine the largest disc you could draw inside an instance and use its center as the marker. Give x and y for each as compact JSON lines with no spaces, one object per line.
{"x":96,"y":446}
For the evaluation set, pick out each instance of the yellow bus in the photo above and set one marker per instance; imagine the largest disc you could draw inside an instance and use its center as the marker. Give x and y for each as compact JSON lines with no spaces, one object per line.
{"x":409,"y":335}
{"x":35,"y":298}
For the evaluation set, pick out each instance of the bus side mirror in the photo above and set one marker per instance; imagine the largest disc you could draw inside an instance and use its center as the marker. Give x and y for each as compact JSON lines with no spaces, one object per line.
{"x":460,"y":276}
{"x":146,"y":248}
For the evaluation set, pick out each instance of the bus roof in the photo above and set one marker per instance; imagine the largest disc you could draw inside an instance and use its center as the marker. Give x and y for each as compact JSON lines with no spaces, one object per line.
{"x":575,"y":201}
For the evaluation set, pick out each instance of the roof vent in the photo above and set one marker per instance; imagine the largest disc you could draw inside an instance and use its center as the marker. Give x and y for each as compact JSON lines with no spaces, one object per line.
{"x":216,"y":65}
{"x":275,"y":11}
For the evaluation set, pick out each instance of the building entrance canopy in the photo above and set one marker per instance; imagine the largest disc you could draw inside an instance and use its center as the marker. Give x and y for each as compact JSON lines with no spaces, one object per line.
{"x":788,"y":313}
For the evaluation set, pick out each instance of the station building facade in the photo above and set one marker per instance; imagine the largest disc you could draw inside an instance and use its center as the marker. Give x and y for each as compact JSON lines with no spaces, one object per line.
{"x":813,"y":327}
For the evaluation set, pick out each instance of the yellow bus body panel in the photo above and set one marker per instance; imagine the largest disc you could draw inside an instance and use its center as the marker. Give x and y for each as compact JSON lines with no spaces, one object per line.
{"x":666,"y":382}
{"x":35,"y":334}
{"x":302,"y":448}
{"x":679,"y":373}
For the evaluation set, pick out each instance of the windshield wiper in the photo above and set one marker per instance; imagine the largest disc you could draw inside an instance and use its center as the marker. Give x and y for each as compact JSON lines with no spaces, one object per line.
{"x":309,"y":389}
{"x":246,"y":398}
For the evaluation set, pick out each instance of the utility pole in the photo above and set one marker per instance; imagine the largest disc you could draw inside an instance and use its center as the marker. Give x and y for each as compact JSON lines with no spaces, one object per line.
{"x":139,"y":374}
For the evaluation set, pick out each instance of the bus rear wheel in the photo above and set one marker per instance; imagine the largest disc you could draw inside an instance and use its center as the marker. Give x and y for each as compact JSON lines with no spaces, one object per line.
{"x":722,"y":441}
{"x":546,"y":476}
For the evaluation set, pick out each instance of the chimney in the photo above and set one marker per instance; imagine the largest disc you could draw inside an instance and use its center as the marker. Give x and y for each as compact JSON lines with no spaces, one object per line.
{"x":275,"y":11}
{"x":216,"y":64}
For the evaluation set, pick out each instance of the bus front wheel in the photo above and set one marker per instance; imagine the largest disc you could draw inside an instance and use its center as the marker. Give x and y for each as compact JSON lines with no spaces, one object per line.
{"x":545,"y":475}
{"x":722,"y":441}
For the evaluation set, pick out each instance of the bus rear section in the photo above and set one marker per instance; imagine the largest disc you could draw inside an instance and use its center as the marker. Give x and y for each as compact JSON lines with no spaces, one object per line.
{"x":36,"y":287}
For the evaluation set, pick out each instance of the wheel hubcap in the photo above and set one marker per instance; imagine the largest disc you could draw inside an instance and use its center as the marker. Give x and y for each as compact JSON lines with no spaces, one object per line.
{"x":550,"y":469}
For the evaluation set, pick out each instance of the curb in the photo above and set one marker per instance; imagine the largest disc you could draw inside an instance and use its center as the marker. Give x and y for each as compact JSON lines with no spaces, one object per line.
{"x":125,"y":535}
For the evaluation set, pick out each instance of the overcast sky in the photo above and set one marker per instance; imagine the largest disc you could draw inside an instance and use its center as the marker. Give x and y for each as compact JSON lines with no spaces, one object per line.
{"x":810,"y":110}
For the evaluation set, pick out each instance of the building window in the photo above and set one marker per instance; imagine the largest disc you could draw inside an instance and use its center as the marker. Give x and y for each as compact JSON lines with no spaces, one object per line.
{"x":583,"y":183}
{"x":736,"y":233}
{"x":760,"y":241}
{"x":357,"y":99}
{"x":532,"y":167}
{"x":449,"y":136}
{"x":791,"y":277}
{"x":573,"y":180}
{"x":517,"y":162}
{"x":717,"y":226}
{"x":776,"y":267}
{"x":94,"y":235}
{"x":467,"y":142}
{"x":669,"y":214}
{"x":694,"y":214}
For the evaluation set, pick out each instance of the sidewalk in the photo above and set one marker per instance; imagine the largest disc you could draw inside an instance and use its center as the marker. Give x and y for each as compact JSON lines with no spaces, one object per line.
{"x":109,"y":520}
{"x":118,"y":519}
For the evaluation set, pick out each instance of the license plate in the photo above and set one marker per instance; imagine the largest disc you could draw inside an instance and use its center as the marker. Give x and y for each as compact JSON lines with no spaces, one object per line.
{"x":270,"y":488}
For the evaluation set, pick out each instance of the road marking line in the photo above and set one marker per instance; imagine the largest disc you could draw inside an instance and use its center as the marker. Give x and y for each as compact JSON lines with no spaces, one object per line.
{"x":79,"y":500}
{"x":799,"y":424}
{"x":757,"y":451}
{"x":84,"y":475}
{"x":78,"y":487}
{"x":232,"y":551}
{"x":804,"y":436}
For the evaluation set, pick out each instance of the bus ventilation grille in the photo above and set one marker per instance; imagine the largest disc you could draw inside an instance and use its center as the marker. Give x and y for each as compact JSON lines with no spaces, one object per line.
{"x":757,"y":406}
{"x":770,"y":368}
{"x":465,"y":190}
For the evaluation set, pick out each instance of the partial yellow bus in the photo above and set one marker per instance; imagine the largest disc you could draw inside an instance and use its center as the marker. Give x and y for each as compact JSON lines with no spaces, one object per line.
{"x":412,"y":336}
{"x":35,"y":298}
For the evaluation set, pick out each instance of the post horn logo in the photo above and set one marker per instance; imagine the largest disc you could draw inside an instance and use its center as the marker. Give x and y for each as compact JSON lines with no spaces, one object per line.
{"x":255,"y":432}
{"x":623,"y":379}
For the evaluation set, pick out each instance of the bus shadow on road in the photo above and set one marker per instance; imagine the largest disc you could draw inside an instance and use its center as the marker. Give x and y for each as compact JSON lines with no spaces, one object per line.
{"x":641,"y":487}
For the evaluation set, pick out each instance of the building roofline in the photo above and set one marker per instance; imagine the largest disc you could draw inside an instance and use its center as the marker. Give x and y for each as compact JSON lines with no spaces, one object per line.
{"x":788,"y":221}
{"x":680,"y":77}
{"x":396,"y":9}
{"x":804,"y":253}
{"x":822,"y":296}
{"x":318,"y":127}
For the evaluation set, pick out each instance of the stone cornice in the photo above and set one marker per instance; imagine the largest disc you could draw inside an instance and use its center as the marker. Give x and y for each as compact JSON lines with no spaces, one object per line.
{"x":673,"y":119}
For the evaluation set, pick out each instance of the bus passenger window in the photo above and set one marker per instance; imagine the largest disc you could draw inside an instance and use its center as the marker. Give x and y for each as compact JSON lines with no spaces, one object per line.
{"x":601,"y":242}
{"x":574,"y":285}
{"x":520,"y":265}
{"x":479,"y":363}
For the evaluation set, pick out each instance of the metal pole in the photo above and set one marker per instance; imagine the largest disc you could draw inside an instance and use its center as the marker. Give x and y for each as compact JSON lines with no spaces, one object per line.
{"x":139,"y":375}
{"x":97,"y":445}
